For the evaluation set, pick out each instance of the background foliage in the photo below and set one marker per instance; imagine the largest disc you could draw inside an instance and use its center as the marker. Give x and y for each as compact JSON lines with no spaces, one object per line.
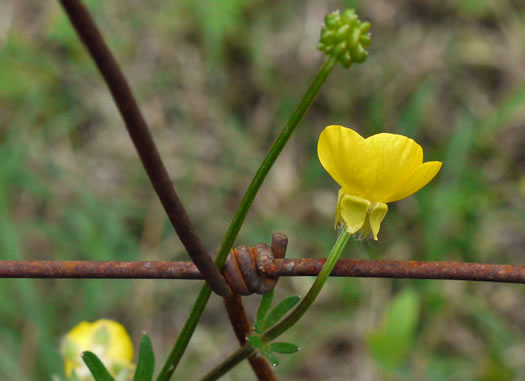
{"x":217,"y":81}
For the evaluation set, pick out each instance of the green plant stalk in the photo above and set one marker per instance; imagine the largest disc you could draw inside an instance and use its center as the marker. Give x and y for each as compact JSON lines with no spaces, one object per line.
{"x":185,"y":335}
{"x":247,"y":200}
{"x":234,"y":359}
{"x":293,"y":317}
{"x":237,"y":221}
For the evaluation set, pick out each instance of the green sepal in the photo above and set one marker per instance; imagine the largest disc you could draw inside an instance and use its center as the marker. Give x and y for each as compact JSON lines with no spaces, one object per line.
{"x":146,"y":360}
{"x":284,"y":348}
{"x":97,"y":369}
{"x":278,"y":312}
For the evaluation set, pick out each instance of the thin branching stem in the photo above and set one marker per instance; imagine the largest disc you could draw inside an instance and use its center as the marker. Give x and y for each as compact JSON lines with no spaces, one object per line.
{"x":293,"y":317}
{"x":269,"y":160}
{"x":240,"y":215}
{"x":243,"y":328}
{"x":234,"y":359}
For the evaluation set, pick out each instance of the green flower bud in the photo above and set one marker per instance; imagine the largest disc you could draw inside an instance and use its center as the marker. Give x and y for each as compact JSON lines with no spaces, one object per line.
{"x":345,"y":37}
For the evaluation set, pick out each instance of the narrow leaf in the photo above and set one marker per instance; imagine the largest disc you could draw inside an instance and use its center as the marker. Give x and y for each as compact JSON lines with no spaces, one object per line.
{"x":146,"y":360}
{"x":259,"y":327}
{"x":264,"y":307}
{"x":391,"y":343}
{"x":285,"y":348}
{"x":98,"y":370}
{"x":271,"y":357}
{"x":279,"y":311}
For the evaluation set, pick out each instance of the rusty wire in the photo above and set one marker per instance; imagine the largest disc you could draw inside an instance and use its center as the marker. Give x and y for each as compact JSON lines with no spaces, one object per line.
{"x":143,"y":141}
{"x":140,"y":135}
{"x":285,"y":267}
{"x":243,"y":328}
{"x":266,"y":270}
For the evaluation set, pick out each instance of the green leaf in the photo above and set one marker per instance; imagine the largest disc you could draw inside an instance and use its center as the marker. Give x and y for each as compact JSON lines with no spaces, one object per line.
{"x":256,"y":342}
{"x":98,"y":370}
{"x":279,"y":311}
{"x":391,"y":343}
{"x":264,"y":307}
{"x":271,"y":357}
{"x":285,"y":348}
{"x":146,"y":360}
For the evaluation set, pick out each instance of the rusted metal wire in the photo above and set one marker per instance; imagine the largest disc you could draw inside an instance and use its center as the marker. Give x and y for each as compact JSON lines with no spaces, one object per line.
{"x":140,"y":135}
{"x":243,"y":272}
{"x":251,"y":270}
{"x":408,"y":270}
{"x":286,"y":267}
{"x":243,"y":328}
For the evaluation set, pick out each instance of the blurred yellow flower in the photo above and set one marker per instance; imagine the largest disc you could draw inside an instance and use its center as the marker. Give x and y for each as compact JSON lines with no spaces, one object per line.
{"x":105,"y":338}
{"x":372,"y":172}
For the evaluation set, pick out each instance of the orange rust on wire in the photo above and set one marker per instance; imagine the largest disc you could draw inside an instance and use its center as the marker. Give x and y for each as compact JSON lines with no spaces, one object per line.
{"x":99,"y":269}
{"x":286,"y":267}
{"x":251,"y":270}
{"x":407,"y":269}
{"x":142,"y":139}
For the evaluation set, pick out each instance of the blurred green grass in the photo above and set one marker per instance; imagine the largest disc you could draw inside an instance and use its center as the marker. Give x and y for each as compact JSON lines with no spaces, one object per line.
{"x":217,"y":81}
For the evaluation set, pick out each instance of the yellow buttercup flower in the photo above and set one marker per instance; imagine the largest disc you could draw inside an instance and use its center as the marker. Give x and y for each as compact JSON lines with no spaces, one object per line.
{"x":371,"y":172}
{"x":105,"y":338}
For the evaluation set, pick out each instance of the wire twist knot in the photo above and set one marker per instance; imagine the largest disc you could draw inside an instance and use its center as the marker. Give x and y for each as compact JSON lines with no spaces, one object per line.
{"x":251,"y":270}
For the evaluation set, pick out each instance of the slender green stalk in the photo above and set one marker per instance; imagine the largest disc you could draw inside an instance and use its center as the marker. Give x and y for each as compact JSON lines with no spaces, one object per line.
{"x":292,"y":318}
{"x":277,"y":330}
{"x":235,"y":358}
{"x":185,"y":335}
{"x":240,"y":215}
{"x":278,"y":145}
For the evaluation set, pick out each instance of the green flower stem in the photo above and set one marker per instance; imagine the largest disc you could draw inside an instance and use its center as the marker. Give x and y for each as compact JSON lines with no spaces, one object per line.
{"x":247,"y":350}
{"x":185,"y":335}
{"x":240,"y":215}
{"x":292,"y":318}
{"x":234,"y":359}
{"x":269,"y":160}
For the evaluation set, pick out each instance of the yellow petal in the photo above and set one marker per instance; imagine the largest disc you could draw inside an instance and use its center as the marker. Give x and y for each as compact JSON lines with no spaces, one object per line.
{"x":352,"y":211}
{"x":349,"y":159}
{"x":417,"y":180}
{"x":107,"y":335}
{"x":80,"y":335}
{"x":377,"y":213}
{"x":397,"y":157}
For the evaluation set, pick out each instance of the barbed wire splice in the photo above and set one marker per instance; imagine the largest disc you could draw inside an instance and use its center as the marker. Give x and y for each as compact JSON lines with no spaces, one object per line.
{"x":250,"y":270}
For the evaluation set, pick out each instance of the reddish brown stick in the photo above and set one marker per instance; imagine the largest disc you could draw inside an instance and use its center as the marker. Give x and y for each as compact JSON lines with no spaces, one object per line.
{"x":140,"y":135}
{"x":243,"y":328}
